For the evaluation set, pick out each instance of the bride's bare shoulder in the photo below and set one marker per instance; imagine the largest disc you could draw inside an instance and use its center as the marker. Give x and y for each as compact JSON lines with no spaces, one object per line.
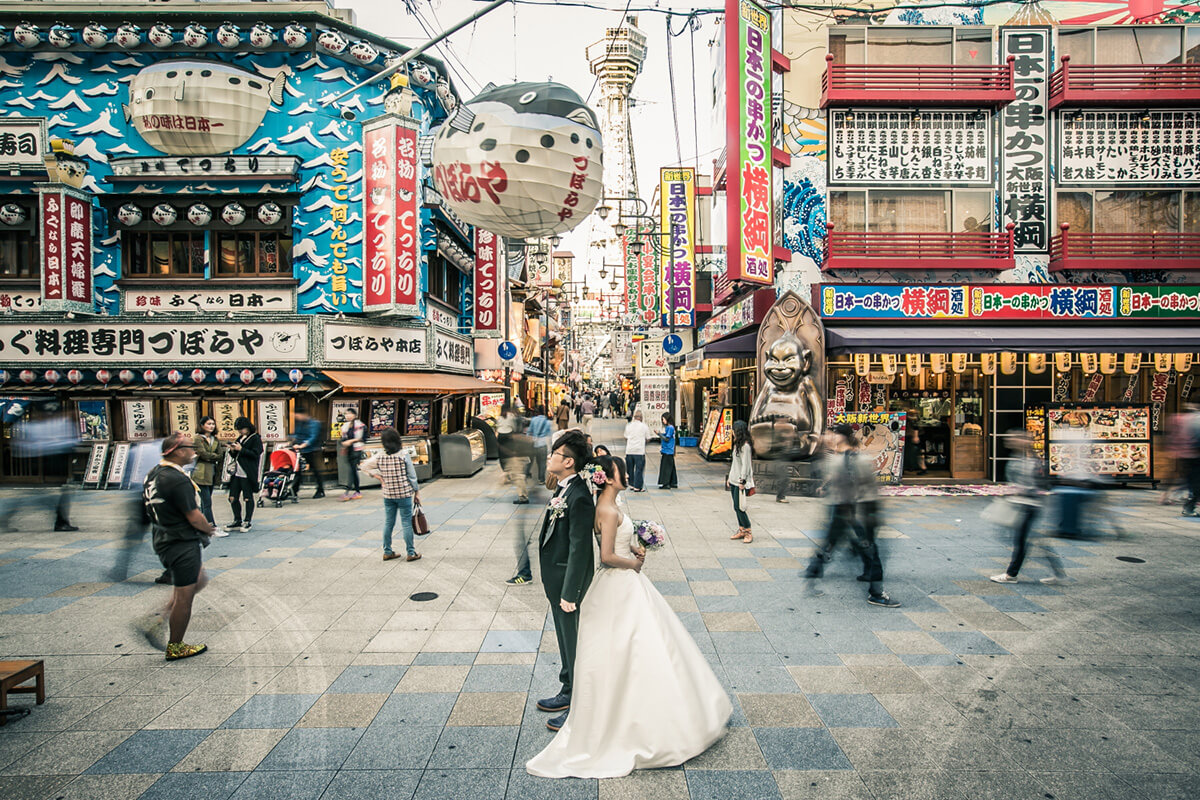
{"x":607,"y":512}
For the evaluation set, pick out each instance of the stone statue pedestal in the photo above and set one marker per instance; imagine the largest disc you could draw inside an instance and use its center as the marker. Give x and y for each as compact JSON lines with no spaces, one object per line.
{"x":801,"y":477}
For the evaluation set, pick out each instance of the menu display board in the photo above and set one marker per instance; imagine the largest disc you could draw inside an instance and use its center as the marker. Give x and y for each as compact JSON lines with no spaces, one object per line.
{"x":881,"y":438}
{"x":1035,"y":426}
{"x":95,"y":464}
{"x":383,"y":415}
{"x":417,"y":417}
{"x":1111,"y":439}
{"x":490,"y":404}
{"x":717,"y":437}
{"x":93,"y":420}
{"x":710,"y":429}
{"x":337,"y":416}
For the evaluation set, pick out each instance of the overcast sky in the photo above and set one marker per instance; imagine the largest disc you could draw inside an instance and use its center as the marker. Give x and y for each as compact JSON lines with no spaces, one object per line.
{"x":549,"y":44}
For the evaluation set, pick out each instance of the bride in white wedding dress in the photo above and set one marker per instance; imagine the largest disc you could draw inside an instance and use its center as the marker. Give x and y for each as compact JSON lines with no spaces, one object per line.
{"x":644,"y":694}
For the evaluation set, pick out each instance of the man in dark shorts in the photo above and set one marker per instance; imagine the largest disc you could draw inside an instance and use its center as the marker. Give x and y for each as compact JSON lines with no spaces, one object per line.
{"x":180,"y":530}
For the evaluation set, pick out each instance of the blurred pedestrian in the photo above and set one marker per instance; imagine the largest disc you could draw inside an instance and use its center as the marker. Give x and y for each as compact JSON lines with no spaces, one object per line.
{"x":308,"y":440}
{"x":247,"y":452}
{"x":563,"y":415}
{"x":784,"y":451}
{"x":180,"y":531}
{"x":354,"y":437}
{"x":914,"y":454}
{"x":637,"y":433}
{"x":512,"y":451}
{"x":398,"y":480}
{"x":588,"y":409}
{"x":52,"y":440}
{"x":1187,"y":446}
{"x":740,"y":480}
{"x":667,"y":477}
{"x":539,"y":433}
{"x":210,"y":453}
{"x":853,"y":499}
{"x":1026,"y":473}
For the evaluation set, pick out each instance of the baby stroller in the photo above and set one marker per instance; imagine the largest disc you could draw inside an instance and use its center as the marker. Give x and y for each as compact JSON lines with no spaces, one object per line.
{"x":282,"y":482}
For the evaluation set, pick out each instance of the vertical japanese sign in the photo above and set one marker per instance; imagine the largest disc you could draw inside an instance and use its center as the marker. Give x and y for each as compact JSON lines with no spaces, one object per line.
{"x":677,"y":193}
{"x":139,"y":420}
{"x":226,"y":412}
{"x":641,"y":276}
{"x":750,"y":204}
{"x":182,"y":416}
{"x":1025,"y":139}
{"x":379,"y":215}
{"x":487,"y":285}
{"x":66,"y":228}
{"x":272,"y":420}
{"x":339,"y":283}
{"x":408,"y":221}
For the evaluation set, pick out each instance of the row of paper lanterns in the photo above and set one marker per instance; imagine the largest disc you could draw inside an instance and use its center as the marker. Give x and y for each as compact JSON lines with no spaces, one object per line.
{"x":128,"y":376}
{"x":199,"y":214}
{"x":1007,"y":363}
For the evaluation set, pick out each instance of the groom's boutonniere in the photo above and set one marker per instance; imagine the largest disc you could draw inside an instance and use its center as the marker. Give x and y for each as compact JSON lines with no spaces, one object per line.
{"x":558,"y":507}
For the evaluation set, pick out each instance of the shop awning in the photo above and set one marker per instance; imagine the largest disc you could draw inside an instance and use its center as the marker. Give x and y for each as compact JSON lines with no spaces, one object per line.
{"x":409,"y":382}
{"x":743,"y":344}
{"x":1039,"y":339}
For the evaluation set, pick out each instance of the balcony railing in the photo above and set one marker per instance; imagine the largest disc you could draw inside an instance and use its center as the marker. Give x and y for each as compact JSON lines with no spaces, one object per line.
{"x":874,"y":250}
{"x":1138,"y":85}
{"x":1124,"y":250}
{"x":899,"y":84}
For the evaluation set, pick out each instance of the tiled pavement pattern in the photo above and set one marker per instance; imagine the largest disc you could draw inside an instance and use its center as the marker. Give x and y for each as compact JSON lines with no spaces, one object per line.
{"x":324,"y":680}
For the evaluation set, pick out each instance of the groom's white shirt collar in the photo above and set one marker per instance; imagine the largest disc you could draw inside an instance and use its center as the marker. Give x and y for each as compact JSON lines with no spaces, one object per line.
{"x":563,"y":483}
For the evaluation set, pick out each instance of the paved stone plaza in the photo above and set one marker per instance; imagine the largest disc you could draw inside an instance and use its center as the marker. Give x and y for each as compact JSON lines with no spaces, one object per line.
{"x":325,"y":680}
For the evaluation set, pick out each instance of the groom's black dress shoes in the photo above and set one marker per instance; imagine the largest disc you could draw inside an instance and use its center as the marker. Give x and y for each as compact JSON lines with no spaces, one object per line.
{"x":556,"y":723}
{"x":560,"y":702}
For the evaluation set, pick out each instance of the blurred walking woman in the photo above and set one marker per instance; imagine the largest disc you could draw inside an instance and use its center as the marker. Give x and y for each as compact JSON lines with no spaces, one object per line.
{"x":667,"y":477}
{"x":247,"y":449}
{"x":209,"y":453}
{"x":741,"y":479}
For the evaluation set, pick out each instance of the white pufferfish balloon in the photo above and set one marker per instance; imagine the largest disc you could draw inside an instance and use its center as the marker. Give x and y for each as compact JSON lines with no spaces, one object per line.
{"x":529,"y":164}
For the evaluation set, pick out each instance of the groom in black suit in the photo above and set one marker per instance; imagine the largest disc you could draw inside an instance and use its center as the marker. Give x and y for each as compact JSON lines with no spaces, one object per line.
{"x":566,"y":558}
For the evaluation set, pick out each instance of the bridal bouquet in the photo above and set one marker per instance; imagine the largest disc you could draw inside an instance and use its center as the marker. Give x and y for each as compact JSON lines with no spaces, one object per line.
{"x":649,"y":535}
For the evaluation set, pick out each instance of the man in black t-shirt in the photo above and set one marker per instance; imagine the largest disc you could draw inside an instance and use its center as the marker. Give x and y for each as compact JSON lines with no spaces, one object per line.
{"x":180,"y":530}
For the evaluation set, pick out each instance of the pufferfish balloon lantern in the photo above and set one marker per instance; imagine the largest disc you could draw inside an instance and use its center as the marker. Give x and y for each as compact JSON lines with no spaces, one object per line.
{"x":521,"y":160}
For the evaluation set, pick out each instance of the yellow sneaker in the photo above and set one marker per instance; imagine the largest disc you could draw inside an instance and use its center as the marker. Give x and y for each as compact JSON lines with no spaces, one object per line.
{"x":178,"y":650}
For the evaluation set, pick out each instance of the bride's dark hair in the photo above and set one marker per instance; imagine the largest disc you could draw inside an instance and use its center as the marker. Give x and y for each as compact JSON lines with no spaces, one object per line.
{"x":612,"y":466}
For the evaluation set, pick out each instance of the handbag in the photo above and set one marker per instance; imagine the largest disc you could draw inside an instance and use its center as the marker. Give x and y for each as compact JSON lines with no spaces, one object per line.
{"x":420,"y":524}
{"x":1001,"y":513}
{"x":228,"y":466}
{"x":751,"y":491}
{"x":743,"y":496}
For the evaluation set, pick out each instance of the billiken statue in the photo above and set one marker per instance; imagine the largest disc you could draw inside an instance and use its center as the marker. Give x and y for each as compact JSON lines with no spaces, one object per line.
{"x":788,"y":417}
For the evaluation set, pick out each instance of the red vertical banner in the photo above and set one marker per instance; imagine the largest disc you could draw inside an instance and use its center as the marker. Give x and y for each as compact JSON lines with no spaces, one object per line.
{"x":379,"y":216}
{"x":52,"y":246}
{"x":408,"y":220}
{"x":77,"y":249}
{"x":487,"y":283}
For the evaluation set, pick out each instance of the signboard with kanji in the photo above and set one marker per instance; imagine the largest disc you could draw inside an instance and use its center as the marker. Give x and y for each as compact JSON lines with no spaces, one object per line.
{"x":677,"y":199}
{"x":641,"y":276}
{"x":1025,"y":140}
{"x":891,"y":147}
{"x":66,"y":238}
{"x":1099,"y":148}
{"x":391,"y":210}
{"x":489,"y":291}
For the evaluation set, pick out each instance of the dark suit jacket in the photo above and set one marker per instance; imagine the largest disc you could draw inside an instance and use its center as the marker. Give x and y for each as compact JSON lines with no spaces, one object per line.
{"x":566,"y":549}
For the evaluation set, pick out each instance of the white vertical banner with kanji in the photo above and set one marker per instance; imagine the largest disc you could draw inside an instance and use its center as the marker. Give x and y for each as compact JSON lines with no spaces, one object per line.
{"x":488,"y":290}
{"x":1025,"y":139}
{"x":139,"y":420}
{"x":182,"y":415}
{"x":272,"y":420}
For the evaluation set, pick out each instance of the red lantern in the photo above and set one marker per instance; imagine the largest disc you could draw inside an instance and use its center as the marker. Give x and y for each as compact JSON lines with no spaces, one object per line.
{"x":247,"y":376}
{"x":74,"y":376}
{"x":198,"y":376}
{"x":51,"y":376}
{"x":150,"y":376}
{"x":104,"y":376}
{"x":27,"y":376}
{"x":125,"y":376}
{"x":222,"y":376}
{"x":174,"y":377}
{"x":269,"y":375}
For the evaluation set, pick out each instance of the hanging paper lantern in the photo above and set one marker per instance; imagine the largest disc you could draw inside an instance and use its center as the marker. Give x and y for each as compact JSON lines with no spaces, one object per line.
{"x":1037,"y":363}
{"x":233,"y":214}
{"x":129,"y":215}
{"x":269,"y":375}
{"x":174,"y":377}
{"x":1108,"y":363}
{"x":262,"y":35}
{"x":199,"y":214}
{"x":1132,"y":363}
{"x":198,"y":376}
{"x":51,"y":376}
{"x":958,"y":363}
{"x":74,"y":376}
{"x":12,"y":214}
{"x":421,"y":75}
{"x":104,"y":376}
{"x":296,"y":375}
{"x":862,"y":364}
{"x":27,"y":35}
{"x":529,"y":165}
{"x":164,"y":214}
{"x":195,"y":35}
{"x":150,"y":376}
{"x":987,"y":363}
{"x":937,"y":363}
{"x":888,"y":362}
{"x":128,"y":36}
{"x":125,"y":376}
{"x":1183,"y":362}
{"x":363,"y":53}
{"x":331,"y":42}
{"x":913,"y":364}
{"x":247,"y":376}
{"x":1162,"y":362}
{"x":295,"y":36}
{"x":1089,"y":362}
{"x":4,"y":376}
{"x":445,"y":96}
{"x":1008,"y":363}
{"x":222,"y":376}
{"x":269,"y":213}
{"x":27,"y":376}
{"x":161,"y":35}
{"x":61,"y":36}
{"x":95,"y":35}
{"x":229,"y":35}
{"x":1062,"y":362}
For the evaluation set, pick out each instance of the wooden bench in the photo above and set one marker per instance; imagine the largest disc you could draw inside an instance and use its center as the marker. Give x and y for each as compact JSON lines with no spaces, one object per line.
{"x":12,"y":675}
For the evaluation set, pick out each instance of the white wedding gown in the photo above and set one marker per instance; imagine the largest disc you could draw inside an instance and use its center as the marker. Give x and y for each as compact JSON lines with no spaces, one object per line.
{"x":644,"y":694}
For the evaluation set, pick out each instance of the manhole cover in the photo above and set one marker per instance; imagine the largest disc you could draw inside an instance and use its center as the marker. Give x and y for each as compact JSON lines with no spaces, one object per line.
{"x":422,"y":596}
{"x":1131,"y":559}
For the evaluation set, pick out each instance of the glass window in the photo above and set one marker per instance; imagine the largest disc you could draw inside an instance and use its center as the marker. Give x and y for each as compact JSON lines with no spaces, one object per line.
{"x":910,"y":45}
{"x":1078,"y":44}
{"x":846,"y":46}
{"x":973,"y":47}
{"x":1138,"y":44}
{"x":267,"y":254}
{"x":1075,"y":209}
{"x":848,"y":211}
{"x":1191,"y":212}
{"x":19,"y":255}
{"x":154,"y":254}
{"x":1192,"y":47}
{"x":891,"y":211}
{"x":972,"y":212}
{"x":1136,"y":212}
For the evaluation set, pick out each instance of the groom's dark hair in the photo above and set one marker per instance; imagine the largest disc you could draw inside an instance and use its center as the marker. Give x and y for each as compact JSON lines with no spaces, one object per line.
{"x":575,"y":445}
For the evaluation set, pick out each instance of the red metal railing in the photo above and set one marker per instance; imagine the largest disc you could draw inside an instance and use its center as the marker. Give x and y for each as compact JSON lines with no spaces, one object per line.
{"x":1124,"y":250}
{"x":900,"y":84}
{"x":1124,"y":84}
{"x":868,"y":250}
